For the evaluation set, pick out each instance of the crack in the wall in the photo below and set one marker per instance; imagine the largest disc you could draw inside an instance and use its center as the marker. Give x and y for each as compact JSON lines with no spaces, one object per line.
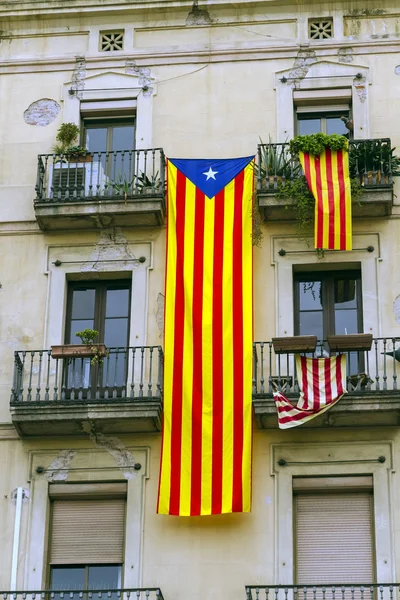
{"x":112,"y":246}
{"x":78,"y":76}
{"x":160,"y":314}
{"x":58,"y":468}
{"x":304,"y":59}
{"x":198,"y":16}
{"x":117,"y":450}
{"x":143,"y":74}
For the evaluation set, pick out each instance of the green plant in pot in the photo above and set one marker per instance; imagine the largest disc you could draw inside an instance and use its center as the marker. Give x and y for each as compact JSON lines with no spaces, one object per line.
{"x":144,"y":183}
{"x":98,"y":351}
{"x":67,"y":143}
{"x":277,"y":164}
{"x":122,"y":185}
{"x":373,"y":162}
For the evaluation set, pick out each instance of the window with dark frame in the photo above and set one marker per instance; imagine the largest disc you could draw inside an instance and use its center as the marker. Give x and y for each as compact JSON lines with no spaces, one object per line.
{"x":327,"y":303}
{"x":328,"y":122}
{"x":105,"y":307}
{"x":112,"y":141}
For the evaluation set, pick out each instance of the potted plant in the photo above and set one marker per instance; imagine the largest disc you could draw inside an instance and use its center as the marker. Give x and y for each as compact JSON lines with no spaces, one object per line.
{"x":122,"y":185}
{"x":373,"y":162}
{"x":67,"y":144}
{"x":87,"y":349}
{"x":277,"y":164}
{"x":148,"y":185}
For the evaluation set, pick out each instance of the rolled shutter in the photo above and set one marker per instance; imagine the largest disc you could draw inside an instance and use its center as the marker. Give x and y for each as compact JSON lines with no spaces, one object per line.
{"x":87,"y":531}
{"x":334,"y":538}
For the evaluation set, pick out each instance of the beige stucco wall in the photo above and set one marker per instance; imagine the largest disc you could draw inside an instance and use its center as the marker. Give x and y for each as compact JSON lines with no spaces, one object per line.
{"x":214,"y":96}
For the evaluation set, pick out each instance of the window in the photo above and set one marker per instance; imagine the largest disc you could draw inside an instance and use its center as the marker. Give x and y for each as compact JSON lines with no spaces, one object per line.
{"x":320,"y":29}
{"x":115,"y":140}
{"x":104,"y":306}
{"x":326,"y":122}
{"x":333,"y":530}
{"x":110,"y":41}
{"x":87,"y":536}
{"x":329,"y":303}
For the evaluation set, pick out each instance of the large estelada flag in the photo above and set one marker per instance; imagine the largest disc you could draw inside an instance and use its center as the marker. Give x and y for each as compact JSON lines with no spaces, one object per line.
{"x":322,"y":382}
{"x":207,"y":414}
{"x":329,"y":181}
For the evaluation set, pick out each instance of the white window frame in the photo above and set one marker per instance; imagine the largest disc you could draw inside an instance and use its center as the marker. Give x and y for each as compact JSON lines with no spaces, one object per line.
{"x":336,"y":459}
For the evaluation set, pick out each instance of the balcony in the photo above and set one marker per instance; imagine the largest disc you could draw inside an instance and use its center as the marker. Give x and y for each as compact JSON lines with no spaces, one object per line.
{"x":373,"y":396}
{"x":344,"y":591}
{"x":100,"y":189}
{"x":122,"y":392}
{"x":371,"y":162}
{"x":119,"y":594}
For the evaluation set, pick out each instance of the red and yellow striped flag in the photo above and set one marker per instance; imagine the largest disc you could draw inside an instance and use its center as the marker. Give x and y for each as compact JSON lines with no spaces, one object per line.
{"x":207,"y":416}
{"x":329,"y":180}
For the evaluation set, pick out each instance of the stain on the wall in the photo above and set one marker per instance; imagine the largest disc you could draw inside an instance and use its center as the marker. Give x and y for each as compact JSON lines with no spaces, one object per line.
{"x":160,"y":314}
{"x":78,"y":76}
{"x":345,"y":55}
{"x":396,"y":309}
{"x":304,"y":59}
{"x":116,"y":448}
{"x":42,"y":112}
{"x":58,"y":468}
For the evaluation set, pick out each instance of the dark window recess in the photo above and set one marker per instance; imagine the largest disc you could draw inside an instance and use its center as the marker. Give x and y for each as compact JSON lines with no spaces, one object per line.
{"x":114,"y":139}
{"x":329,"y":303}
{"x":86,"y":577}
{"x":104,"y":306}
{"x":323,"y":122}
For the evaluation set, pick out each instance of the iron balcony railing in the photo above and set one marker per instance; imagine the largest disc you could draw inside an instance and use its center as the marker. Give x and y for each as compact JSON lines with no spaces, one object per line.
{"x":372,"y":163}
{"x":115,"y":175}
{"x":373,"y":371}
{"x":340,"y":591}
{"x":133,"y":373}
{"x":91,"y":594}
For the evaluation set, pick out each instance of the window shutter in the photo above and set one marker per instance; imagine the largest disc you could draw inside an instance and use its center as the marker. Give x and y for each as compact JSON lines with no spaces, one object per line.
{"x":334,"y":538}
{"x":87,"y":531}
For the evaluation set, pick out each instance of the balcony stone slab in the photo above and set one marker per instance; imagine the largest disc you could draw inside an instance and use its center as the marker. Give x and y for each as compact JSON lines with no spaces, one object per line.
{"x":371,"y":409}
{"x":141,"y":415}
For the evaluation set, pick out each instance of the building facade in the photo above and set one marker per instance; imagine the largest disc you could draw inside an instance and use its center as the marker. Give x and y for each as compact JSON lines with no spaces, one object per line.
{"x":82,"y":241}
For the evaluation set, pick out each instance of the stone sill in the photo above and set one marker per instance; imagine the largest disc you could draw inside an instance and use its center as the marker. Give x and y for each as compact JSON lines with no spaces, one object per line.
{"x":353,"y":410}
{"x":374,"y":202}
{"x":78,"y":417}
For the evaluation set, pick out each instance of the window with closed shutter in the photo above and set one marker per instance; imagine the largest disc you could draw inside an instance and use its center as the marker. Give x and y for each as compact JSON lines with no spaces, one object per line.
{"x":87,"y":531}
{"x":333,"y":536}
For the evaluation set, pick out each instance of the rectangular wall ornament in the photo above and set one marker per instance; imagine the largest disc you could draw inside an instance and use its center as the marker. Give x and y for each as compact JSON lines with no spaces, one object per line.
{"x":207,"y":421}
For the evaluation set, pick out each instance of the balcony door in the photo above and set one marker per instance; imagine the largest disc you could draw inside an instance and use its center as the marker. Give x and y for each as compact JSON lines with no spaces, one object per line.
{"x":329,"y":303}
{"x":113,"y":139}
{"x":105,"y":307}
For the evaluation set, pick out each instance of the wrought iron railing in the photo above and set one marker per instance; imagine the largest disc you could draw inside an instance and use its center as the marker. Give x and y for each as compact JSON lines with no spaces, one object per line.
{"x":340,"y":591}
{"x":116,"y":175}
{"x":372,"y":163}
{"x":91,"y":594}
{"x":373,"y":371}
{"x":130,"y":373}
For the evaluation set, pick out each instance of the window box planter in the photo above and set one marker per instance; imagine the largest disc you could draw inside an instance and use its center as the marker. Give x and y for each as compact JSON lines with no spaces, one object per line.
{"x":298,"y":344}
{"x":350,"y":342}
{"x":78,"y":350}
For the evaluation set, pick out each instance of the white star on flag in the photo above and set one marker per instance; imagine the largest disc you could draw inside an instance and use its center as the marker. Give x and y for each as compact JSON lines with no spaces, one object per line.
{"x":210,"y":174}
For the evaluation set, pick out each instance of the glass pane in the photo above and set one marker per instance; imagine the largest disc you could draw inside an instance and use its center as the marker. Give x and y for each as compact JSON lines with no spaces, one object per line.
{"x":308,"y":126}
{"x":311,"y":323}
{"x":116,"y":332}
{"x":335,"y":125}
{"x":96,"y":139}
{"x":346,"y":321}
{"x":67,"y":578}
{"x":104,"y":577}
{"x":345,"y":293}
{"x":117,"y":303}
{"x":123,"y":137}
{"x":83,"y":304}
{"x":78,"y":373}
{"x":79,"y":325}
{"x":310,"y":294}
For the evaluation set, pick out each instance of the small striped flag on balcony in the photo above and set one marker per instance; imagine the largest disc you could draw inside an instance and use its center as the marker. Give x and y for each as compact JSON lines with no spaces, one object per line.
{"x":329,"y":181}
{"x":322,"y":382}
{"x":207,"y":416}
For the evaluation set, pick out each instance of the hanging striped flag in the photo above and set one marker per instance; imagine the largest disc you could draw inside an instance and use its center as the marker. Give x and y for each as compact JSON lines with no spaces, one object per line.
{"x":329,"y":181}
{"x":322,"y":382}
{"x":207,"y":416}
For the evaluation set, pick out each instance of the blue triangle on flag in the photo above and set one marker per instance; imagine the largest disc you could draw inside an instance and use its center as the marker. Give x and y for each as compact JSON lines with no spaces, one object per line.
{"x":211,"y":175}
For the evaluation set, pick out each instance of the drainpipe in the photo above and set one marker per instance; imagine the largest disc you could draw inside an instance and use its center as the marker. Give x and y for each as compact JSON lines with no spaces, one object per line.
{"x":17,"y":530}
